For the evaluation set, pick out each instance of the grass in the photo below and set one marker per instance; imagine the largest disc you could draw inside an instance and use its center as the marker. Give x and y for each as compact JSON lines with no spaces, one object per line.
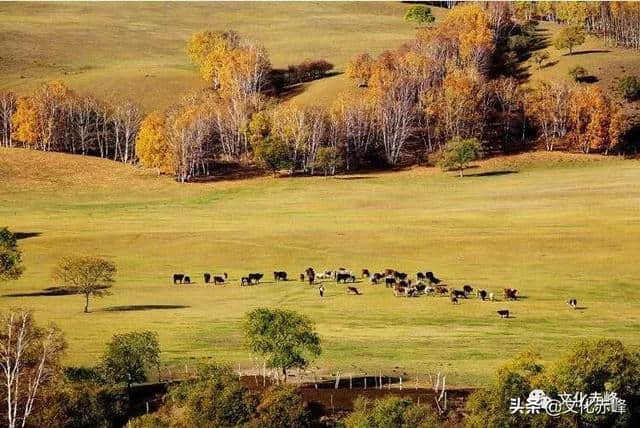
{"x":557,"y":226}
{"x":137,"y":50}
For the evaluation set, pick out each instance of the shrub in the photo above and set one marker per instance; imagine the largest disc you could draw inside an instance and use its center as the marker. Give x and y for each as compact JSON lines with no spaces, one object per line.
{"x":282,"y":407}
{"x":459,"y":152}
{"x":629,"y":87}
{"x":391,"y":412}
{"x":578,"y":73}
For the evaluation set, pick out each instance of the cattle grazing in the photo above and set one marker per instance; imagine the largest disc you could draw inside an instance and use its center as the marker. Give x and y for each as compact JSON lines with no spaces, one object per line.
{"x":420,"y":276}
{"x":458,"y":293}
{"x":388,"y":272}
{"x":432,"y":279}
{"x":467,"y":289}
{"x":187,"y":280}
{"x":412,"y":292}
{"x":311,"y":275}
{"x":344,"y":277}
{"x":225,"y":275}
{"x":365,"y":273}
{"x":353,"y":290}
{"x":442,"y":290}
{"x":510,"y":294}
{"x":454,"y":300}
{"x":403,"y":283}
{"x":245,"y":280}
{"x":321,"y":290}
{"x":573,"y":303}
{"x":482,"y":294}
{"x":399,"y":291}
{"x":302,"y":277}
{"x":504,"y":313}
{"x":430,"y":290}
{"x":321,"y":275}
{"x":255,"y":277}
{"x":177,"y":278}
{"x":400,"y":275}
{"x":207,"y":278}
{"x":376,"y":278}
{"x":218,"y":280}
{"x":280,"y":275}
{"x":420,"y":288}
{"x":389,"y":281}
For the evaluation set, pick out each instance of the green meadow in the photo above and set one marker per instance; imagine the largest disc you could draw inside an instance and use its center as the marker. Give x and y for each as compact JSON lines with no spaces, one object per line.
{"x":553,"y":226}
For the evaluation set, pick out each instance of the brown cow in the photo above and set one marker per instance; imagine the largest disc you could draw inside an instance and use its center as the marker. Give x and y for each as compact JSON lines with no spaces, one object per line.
{"x":510,"y":294}
{"x":353,"y":290}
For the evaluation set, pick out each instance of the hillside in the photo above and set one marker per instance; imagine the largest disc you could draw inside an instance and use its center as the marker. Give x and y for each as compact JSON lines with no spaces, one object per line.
{"x":552,"y":225}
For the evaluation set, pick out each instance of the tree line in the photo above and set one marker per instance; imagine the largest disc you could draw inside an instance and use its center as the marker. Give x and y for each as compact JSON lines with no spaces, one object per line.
{"x":451,"y":82}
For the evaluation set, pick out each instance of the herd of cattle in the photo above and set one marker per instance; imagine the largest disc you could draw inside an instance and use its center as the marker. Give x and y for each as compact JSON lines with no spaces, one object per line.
{"x":426,"y":283}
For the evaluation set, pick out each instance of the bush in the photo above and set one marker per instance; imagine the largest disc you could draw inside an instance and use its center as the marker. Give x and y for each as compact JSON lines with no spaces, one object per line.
{"x":459,"y":152}
{"x":391,"y":412}
{"x":578,"y":73}
{"x":151,"y":420}
{"x":281,"y":407}
{"x":214,"y":398}
{"x":629,"y":87}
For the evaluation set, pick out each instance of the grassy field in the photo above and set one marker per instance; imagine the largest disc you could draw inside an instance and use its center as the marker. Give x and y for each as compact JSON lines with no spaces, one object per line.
{"x":553,"y":226}
{"x":137,"y":50}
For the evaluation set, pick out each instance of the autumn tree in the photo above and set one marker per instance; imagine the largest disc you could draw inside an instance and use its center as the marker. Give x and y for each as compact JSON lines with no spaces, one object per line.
{"x":86,"y":275}
{"x":284,"y":338}
{"x":152,"y":145}
{"x":459,"y":152}
{"x":420,"y":15}
{"x":10,"y":256}
{"x":29,"y":361}
{"x":7,"y":109}
{"x":359,"y":69}
{"x":569,"y":38}
{"x":591,"y":113}
{"x":548,"y":106}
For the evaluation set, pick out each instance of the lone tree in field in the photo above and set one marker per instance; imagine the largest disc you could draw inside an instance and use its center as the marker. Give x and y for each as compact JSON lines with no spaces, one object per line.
{"x":129,"y":357}
{"x":10,"y":256}
{"x":285,"y":338}
{"x":420,"y":15}
{"x":29,"y":362}
{"x":459,"y":152}
{"x":90,"y":276}
{"x":569,"y":38}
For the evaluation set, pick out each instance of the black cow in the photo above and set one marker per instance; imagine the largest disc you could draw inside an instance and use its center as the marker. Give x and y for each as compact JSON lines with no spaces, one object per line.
{"x":207,"y":278}
{"x":376,"y":278}
{"x":344,"y":277}
{"x":353,"y":290}
{"x":187,"y":280}
{"x":311,"y":274}
{"x":510,"y":294}
{"x":454,"y":300}
{"x":432,"y":279}
{"x":178,"y":277}
{"x":365,"y":273}
{"x":280,"y":276}
{"x":467,"y":289}
{"x":482,"y":294}
{"x":218,"y":280}
{"x":420,"y":288}
{"x":302,"y":277}
{"x":245,"y":280}
{"x":573,"y":303}
{"x":403,"y":283}
{"x":389,"y":281}
{"x":504,"y":313}
{"x":420,"y":276}
{"x":255,"y":277}
{"x":458,"y":293}
{"x":400,"y":275}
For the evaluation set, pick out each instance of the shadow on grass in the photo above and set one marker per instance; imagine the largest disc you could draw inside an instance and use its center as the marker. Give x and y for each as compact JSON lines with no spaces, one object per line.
{"x":50,"y":291}
{"x":588,"y":52}
{"x":491,"y":173}
{"x":26,"y":235}
{"x":142,"y":308}
{"x":355,"y":177}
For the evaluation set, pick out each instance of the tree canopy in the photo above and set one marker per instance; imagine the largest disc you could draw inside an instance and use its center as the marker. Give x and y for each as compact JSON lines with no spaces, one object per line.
{"x":569,"y":38}
{"x":285,"y":338}
{"x":459,"y":152}
{"x":420,"y":15}
{"x":87,"y":275}
{"x":10,"y":256}
{"x":129,"y":356}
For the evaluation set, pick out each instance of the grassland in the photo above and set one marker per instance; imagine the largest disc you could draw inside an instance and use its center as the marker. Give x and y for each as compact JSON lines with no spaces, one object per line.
{"x":553,"y":226}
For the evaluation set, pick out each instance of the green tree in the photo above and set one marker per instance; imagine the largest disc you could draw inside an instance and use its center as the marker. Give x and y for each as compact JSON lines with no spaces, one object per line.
{"x":272,"y":153}
{"x":10,"y":256}
{"x":87,"y":275}
{"x":578,"y":73}
{"x":629,"y":87}
{"x":285,"y":338}
{"x":458,"y":152}
{"x":569,"y":38}
{"x":420,"y":15}
{"x":391,"y":412}
{"x":214,"y":398}
{"x":327,"y":160}
{"x":129,"y":356}
{"x":281,"y":406}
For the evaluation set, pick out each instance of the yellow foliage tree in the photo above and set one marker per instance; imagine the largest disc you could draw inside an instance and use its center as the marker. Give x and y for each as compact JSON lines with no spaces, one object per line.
{"x":152,"y":146}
